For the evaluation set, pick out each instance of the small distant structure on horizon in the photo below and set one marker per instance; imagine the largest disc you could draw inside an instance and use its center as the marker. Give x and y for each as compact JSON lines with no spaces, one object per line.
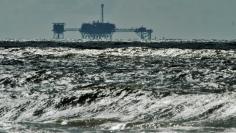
{"x":99,"y":30}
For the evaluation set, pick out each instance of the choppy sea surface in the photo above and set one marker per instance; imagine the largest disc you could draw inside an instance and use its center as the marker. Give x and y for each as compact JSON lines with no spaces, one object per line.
{"x":117,"y":90}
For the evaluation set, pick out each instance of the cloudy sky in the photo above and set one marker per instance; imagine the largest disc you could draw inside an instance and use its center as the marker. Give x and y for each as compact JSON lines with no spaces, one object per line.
{"x":186,"y":19}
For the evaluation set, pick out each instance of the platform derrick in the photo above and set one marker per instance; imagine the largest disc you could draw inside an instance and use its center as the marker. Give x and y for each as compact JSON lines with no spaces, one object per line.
{"x":100,"y":30}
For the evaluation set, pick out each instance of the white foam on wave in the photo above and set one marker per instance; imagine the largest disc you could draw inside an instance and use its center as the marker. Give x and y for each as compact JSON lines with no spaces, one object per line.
{"x":119,"y":126}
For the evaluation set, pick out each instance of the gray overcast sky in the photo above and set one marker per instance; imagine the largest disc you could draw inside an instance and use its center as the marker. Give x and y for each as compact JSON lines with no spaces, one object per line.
{"x":186,"y":19}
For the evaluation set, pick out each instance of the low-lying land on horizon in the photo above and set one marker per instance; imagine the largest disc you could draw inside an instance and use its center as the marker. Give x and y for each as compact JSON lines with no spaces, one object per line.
{"x":110,"y":44}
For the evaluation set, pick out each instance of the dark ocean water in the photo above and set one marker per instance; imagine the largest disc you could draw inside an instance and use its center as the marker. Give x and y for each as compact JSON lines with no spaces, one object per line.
{"x":117,"y":90}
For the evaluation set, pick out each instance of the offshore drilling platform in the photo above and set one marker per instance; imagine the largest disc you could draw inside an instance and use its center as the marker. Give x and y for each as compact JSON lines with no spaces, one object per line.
{"x":100,"y":30}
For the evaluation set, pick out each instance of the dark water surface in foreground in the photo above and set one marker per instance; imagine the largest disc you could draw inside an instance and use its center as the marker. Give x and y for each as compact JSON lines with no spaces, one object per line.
{"x":117,"y":90}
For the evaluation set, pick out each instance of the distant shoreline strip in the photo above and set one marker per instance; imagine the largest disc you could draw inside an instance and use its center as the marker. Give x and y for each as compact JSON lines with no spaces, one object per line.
{"x":105,"y":45}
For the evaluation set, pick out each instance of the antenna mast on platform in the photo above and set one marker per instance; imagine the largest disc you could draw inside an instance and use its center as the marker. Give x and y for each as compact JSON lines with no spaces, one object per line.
{"x":102,"y":7}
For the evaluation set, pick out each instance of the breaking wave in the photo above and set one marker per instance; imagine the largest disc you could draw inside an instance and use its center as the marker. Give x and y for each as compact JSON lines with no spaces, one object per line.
{"x":117,"y":89}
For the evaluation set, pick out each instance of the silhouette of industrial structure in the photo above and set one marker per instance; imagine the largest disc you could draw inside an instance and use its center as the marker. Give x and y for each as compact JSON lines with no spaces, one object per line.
{"x":100,"y":30}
